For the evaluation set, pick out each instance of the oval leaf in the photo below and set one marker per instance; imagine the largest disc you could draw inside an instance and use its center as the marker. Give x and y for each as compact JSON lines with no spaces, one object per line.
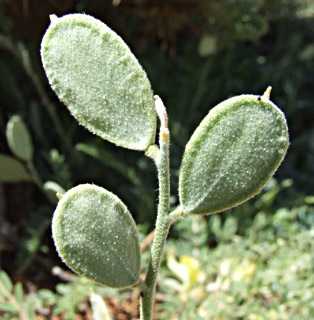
{"x":96,"y":236}
{"x":12,"y":170}
{"x":19,"y":139}
{"x":232,"y":154}
{"x":98,"y":78}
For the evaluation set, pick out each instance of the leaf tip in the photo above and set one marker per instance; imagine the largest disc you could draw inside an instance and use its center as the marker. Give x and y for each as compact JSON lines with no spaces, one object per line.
{"x":53,"y":18}
{"x":267,"y":93}
{"x":59,"y":195}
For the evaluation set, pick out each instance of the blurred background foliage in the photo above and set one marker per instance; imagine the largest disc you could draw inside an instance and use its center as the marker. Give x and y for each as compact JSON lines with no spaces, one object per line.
{"x":196,"y":53}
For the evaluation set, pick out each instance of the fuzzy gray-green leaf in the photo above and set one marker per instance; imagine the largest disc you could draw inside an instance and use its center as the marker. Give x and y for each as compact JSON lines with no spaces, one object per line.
{"x":96,"y":236}
{"x":19,"y":139}
{"x":98,"y":78}
{"x":232,"y":154}
{"x":12,"y":170}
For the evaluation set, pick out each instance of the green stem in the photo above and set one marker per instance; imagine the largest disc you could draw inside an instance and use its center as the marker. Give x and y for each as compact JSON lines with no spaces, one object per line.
{"x":176,"y":214}
{"x":35,"y":175}
{"x":163,"y":221}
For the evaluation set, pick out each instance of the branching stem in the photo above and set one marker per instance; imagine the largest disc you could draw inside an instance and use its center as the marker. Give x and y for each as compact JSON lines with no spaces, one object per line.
{"x":163,"y":221}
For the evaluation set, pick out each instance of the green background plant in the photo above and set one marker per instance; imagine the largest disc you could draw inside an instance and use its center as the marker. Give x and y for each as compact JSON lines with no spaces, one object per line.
{"x":246,"y":265}
{"x":281,"y":50}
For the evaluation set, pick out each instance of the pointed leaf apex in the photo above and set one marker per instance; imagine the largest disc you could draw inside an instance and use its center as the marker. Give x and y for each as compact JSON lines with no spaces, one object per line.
{"x":59,"y":195}
{"x":267,"y":93}
{"x":53,"y":18}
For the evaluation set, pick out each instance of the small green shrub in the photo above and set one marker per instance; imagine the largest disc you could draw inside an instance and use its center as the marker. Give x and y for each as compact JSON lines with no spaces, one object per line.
{"x":265,"y":273}
{"x":229,"y":158}
{"x":21,"y":168}
{"x":16,"y":304}
{"x":12,"y":300}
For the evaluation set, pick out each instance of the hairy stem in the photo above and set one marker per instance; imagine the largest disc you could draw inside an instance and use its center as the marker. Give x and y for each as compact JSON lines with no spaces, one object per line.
{"x":163,"y":221}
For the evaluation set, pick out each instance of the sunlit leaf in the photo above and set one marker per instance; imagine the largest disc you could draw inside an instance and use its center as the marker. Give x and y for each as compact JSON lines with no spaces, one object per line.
{"x":97,"y":77}
{"x":232,"y":154}
{"x":96,"y":236}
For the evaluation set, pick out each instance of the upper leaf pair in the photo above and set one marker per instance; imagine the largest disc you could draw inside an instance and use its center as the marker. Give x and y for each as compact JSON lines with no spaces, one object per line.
{"x":230,"y":157}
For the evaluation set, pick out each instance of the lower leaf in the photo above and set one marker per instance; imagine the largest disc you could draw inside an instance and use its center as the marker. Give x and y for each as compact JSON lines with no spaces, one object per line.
{"x":96,"y":236}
